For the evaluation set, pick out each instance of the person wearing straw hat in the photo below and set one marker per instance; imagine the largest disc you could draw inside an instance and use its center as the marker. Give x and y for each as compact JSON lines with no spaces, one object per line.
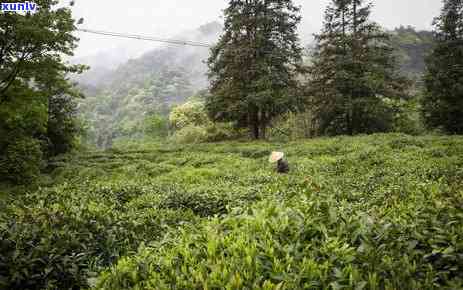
{"x":282,"y":165}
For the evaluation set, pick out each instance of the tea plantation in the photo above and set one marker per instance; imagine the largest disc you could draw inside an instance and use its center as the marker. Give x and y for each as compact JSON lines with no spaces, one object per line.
{"x":370,"y":212}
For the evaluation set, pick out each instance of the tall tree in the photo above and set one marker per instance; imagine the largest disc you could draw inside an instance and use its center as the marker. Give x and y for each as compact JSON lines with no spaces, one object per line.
{"x":33,"y":77}
{"x":252,"y":69}
{"x":443,"y":99}
{"x":353,"y":70}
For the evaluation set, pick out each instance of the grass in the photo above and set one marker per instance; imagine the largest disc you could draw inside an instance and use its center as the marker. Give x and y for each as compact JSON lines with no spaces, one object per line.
{"x":369,"y":212}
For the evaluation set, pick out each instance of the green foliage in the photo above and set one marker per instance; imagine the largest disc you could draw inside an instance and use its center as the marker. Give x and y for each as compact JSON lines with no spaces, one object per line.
{"x":253,"y":67}
{"x":21,"y":160}
{"x":156,"y":126}
{"x":223,"y":131}
{"x":33,"y":47}
{"x":61,"y":237}
{"x":36,"y":98}
{"x":407,"y":116}
{"x":353,"y":69}
{"x":192,"y":125}
{"x":62,"y":127}
{"x":291,"y":126}
{"x":57,"y":238}
{"x":201,"y":203}
{"x":373,"y":212}
{"x":126,"y":109}
{"x":191,"y":113}
{"x":121,"y":102}
{"x":190,"y":134}
{"x":190,"y":121}
{"x":443,"y":98}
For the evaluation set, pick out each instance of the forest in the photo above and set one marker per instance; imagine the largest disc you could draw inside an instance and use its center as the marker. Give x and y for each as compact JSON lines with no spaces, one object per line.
{"x":159,"y":173}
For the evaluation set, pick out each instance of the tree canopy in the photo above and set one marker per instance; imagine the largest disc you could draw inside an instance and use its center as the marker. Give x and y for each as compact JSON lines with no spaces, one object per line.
{"x":35,"y":93}
{"x":353,"y":69}
{"x":252,"y":68}
{"x":443,"y":100}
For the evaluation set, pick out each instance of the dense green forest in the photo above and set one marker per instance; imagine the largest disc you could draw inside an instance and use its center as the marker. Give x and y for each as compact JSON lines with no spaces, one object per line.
{"x":159,"y":173}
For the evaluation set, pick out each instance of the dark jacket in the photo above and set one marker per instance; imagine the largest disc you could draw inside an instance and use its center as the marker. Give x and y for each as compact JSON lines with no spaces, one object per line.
{"x":282,"y":166}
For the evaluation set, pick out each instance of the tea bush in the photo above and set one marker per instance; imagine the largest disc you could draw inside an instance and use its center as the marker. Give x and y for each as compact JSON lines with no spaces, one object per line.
{"x":55,"y":239}
{"x":373,"y":212}
{"x":368,"y":212}
{"x":294,"y":247}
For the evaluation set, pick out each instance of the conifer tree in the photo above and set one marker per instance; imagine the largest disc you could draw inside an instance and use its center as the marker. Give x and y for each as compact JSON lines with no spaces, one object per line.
{"x":252,"y":68}
{"x":443,"y":98}
{"x":353,"y":71}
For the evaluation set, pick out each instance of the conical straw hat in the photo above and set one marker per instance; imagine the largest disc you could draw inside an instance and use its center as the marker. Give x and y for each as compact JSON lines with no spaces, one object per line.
{"x":275,"y":156}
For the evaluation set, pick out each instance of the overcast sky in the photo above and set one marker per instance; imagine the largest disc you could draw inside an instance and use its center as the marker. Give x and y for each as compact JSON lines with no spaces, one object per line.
{"x":167,"y":18}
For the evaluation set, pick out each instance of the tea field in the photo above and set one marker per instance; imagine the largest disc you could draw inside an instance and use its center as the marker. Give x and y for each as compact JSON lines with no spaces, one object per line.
{"x":371,"y":212}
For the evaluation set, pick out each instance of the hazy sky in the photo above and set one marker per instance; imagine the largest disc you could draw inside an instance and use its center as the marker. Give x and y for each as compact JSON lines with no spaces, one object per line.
{"x":167,"y":18}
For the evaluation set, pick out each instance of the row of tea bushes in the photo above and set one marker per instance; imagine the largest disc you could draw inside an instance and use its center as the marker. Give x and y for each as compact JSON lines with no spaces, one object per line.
{"x":373,"y":212}
{"x":61,"y":237}
{"x":58,"y":239}
{"x":303,"y":245}
{"x":376,"y":212}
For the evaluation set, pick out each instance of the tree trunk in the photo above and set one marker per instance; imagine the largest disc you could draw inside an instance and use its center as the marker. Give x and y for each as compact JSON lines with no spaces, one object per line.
{"x":255,"y":130}
{"x":253,"y":121}
{"x":262,"y":120}
{"x":350,"y":113}
{"x":349,"y":97}
{"x":354,"y":56}
{"x":263,"y":130}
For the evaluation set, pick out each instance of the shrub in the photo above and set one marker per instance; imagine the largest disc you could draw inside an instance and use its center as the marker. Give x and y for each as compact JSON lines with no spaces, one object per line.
{"x":56,"y":239}
{"x":372,"y":116}
{"x":314,"y":246}
{"x":192,"y":125}
{"x":293,"y":126}
{"x":222,"y":131}
{"x":200,"y":204}
{"x":156,"y":126}
{"x":21,"y":162}
{"x":407,"y":116}
{"x":191,"y":113}
{"x":190,"y":134}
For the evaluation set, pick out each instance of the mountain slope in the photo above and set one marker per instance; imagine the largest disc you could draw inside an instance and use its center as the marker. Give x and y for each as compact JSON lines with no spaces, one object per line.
{"x":413,"y":47}
{"x":118,"y":101}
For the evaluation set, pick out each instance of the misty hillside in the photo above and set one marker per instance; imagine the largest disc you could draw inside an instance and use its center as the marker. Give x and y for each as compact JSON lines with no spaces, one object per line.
{"x":413,"y":47}
{"x":102,"y":65}
{"x":119,"y":99}
{"x":119,"y":71}
{"x":115,"y":69}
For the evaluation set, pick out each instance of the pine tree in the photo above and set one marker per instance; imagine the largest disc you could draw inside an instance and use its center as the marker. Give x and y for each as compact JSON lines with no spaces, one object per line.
{"x":353,"y":71}
{"x":252,"y":68}
{"x":443,"y":98}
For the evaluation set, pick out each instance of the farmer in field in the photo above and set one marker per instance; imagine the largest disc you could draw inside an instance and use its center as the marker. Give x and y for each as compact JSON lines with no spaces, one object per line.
{"x":282,"y":165}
